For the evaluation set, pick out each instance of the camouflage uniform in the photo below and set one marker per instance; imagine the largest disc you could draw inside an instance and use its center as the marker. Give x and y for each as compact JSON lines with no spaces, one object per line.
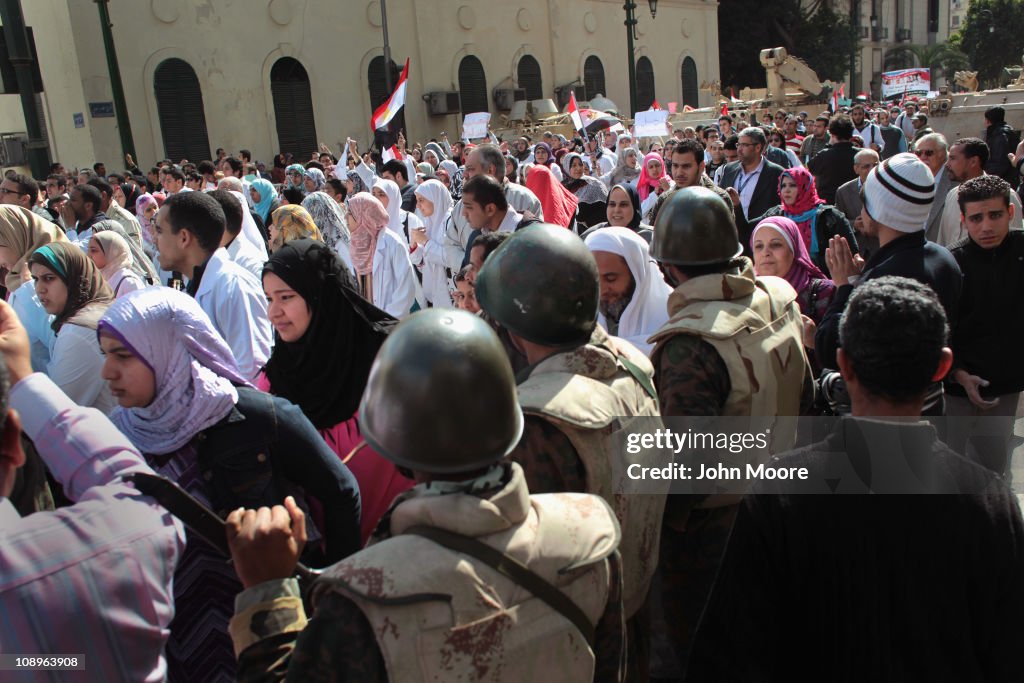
{"x":570,"y":407}
{"x":367,"y":628}
{"x":733,"y":346}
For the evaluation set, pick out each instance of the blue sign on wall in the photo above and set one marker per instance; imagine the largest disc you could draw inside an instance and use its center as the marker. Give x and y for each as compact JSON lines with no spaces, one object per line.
{"x":101,"y":110}
{"x":79,"y":119}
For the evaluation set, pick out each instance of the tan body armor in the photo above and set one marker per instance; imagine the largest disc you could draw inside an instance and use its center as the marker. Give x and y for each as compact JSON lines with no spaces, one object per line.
{"x":755,"y":326}
{"x":591,"y":396}
{"x":442,"y":616}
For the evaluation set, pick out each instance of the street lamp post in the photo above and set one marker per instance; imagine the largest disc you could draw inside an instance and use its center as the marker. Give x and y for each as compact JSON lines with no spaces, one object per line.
{"x":631,"y":22}
{"x":387,"y":45}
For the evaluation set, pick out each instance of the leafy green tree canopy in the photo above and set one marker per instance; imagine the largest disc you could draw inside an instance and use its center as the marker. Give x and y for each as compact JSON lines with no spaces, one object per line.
{"x":991,"y":37}
{"x":814,"y":32}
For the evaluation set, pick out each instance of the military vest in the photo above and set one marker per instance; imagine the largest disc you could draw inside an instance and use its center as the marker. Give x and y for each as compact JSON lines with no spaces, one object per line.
{"x":443,"y":616}
{"x":592,"y":397}
{"x":755,"y":326}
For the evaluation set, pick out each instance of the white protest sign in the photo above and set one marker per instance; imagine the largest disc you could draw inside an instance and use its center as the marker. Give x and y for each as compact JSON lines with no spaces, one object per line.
{"x":475,"y":125}
{"x":651,"y":124}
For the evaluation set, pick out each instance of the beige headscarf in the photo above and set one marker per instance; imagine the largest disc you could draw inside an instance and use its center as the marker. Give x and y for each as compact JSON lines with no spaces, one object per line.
{"x":23,"y":232}
{"x":116,"y":251}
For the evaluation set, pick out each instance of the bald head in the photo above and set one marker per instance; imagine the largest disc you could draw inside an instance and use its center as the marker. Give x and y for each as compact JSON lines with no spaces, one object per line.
{"x":230,"y":183}
{"x":863,"y":162}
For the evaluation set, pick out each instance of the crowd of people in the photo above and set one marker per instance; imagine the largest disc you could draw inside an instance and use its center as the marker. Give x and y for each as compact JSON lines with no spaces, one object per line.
{"x":415,"y":373}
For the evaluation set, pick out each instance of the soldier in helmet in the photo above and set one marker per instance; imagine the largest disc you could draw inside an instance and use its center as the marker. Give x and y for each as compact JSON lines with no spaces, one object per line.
{"x":580,"y":389}
{"x":424,"y":600}
{"x":732,"y":347}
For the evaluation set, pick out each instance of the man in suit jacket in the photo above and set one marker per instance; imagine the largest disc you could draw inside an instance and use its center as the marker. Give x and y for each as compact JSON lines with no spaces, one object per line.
{"x":932,"y":150}
{"x":849,"y":203}
{"x":752,"y":182}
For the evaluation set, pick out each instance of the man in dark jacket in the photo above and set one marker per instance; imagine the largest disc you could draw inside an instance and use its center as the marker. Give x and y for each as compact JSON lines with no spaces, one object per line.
{"x":833,"y":165}
{"x":988,"y":375}
{"x":897,"y":195}
{"x":752,"y":182}
{"x":1001,"y":141}
{"x":827,"y":587}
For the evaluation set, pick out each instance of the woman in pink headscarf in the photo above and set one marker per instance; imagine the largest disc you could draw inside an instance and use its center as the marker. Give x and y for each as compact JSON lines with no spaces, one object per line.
{"x":817,"y":221}
{"x":779,"y":250}
{"x":652,"y":182}
{"x":380,"y":257}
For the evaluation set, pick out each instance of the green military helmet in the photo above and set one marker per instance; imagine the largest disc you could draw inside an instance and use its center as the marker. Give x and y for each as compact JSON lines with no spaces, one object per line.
{"x":441,"y":396}
{"x":695,"y":227}
{"x":542,"y":284}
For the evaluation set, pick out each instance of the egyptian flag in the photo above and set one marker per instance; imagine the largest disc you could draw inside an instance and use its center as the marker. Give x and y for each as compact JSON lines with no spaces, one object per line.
{"x":392,"y":152}
{"x":393,"y":105}
{"x":574,"y":114}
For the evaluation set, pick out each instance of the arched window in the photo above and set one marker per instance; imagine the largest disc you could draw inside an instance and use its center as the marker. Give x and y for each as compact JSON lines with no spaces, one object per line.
{"x":644,"y":84}
{"x":179,"y":104}
{"x":472,"y":85}
{"x":691,"y":91}
{"x":593,"y":77}
{"x":529,"y":78}
{"x":293,"y":108}
{"x":380,"y":92}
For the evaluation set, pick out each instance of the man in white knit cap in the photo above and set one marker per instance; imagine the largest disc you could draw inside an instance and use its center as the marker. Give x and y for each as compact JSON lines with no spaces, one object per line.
{"x":896,"y":196}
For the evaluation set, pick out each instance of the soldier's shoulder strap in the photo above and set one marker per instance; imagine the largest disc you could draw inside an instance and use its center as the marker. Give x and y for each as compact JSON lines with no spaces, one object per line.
{"x":640,"y":376}
{"x":513,"y":570}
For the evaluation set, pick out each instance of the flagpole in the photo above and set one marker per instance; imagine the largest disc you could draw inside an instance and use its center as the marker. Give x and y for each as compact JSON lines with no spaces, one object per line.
{"x":387,"y":45}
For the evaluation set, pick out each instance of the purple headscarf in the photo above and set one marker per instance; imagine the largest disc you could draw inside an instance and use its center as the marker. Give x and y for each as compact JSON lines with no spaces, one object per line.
{"x":195,"y":370}
{"x":547,"y":148}
{"x":803,"y":270}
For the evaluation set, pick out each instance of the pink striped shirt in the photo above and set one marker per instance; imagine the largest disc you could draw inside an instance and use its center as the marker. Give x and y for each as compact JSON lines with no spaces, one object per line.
{"x":93,"y":578}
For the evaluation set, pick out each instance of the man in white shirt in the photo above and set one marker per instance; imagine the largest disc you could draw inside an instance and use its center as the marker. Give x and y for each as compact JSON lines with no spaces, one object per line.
{"x":869,"y":132}
{"x":239,"y":248}
{"x":966,"y":160}
{"x":189,"y":231}
{"x":85,"y":207}
{"x":485,"y":159}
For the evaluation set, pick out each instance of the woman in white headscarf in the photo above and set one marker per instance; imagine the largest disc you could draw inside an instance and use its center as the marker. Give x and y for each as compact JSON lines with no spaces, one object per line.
{"x":434,"y":205}
{"x":454,"y":183}
{"x":627,"y":168}
{"x":111,"y":254}
{"x":400,"y":222}
{"x":631,"y":312}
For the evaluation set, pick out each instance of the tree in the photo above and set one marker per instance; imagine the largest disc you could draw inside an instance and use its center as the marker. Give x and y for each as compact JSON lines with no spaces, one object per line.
{"x":813,"y":32}
{"x":941,"y":57}
{"x":991,"y":37}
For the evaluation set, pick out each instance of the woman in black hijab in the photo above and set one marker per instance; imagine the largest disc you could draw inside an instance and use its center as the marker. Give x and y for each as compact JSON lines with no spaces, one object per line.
{"x":327,"y":337}
{"x":624,"y":212}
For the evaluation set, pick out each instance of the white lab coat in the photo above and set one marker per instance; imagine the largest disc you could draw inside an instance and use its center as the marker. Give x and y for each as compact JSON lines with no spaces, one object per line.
{"x":37,"y":323}
{"x":235,"y":302}
{"x":75,"y":366}
{"x":394,"y":282}
{"x":247,"y":256}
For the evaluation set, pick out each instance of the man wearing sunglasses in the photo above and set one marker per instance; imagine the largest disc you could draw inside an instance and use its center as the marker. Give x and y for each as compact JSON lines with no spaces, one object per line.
{"x":932,"y":149}
{"x":966,"y":160}
{"x":21,"y":190}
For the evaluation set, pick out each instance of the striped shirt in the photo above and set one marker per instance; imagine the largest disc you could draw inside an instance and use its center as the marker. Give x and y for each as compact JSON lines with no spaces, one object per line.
{"x":93,"y":579}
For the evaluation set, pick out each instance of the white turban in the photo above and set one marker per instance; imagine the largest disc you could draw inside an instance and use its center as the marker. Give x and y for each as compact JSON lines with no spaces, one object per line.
{"x":648,"y":309}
